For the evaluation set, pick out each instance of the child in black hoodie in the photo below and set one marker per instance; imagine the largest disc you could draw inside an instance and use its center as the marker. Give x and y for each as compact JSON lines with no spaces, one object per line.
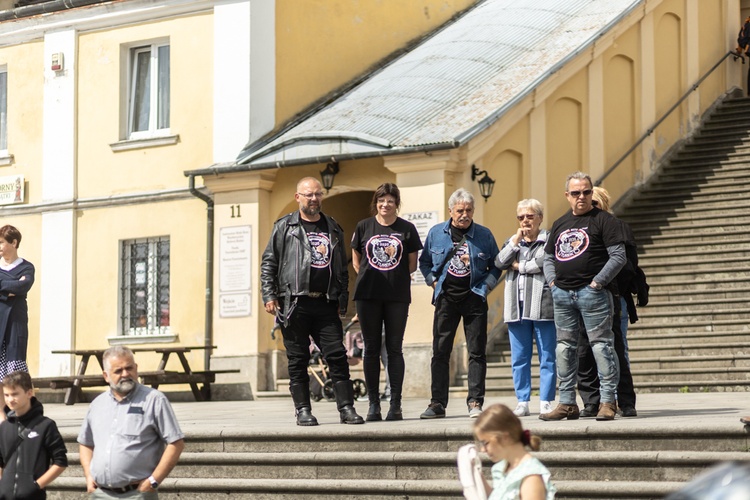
{"x":32,"y":451}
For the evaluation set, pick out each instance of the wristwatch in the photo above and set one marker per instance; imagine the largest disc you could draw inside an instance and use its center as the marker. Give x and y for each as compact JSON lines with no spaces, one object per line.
{"x":154,"y":482}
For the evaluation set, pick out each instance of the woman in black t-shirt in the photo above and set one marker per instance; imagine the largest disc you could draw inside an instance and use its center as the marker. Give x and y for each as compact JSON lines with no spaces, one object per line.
{"x":384,"y":254}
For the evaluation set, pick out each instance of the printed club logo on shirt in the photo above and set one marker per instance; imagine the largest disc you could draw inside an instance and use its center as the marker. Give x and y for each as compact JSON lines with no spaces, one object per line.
{"x":384,"y":252}
{"x":321,"y":249}
{"x":460,"y":264}
{"x":571,"y":243}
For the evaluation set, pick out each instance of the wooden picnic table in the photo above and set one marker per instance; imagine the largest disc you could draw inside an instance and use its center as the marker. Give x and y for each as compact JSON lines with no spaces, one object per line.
{"x":73,"y":384}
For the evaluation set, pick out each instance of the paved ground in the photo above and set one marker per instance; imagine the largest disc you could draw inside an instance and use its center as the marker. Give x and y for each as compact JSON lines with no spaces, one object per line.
{"x":715,"y":411}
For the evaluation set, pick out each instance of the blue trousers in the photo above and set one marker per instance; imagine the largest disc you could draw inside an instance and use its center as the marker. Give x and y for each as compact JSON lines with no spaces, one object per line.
{"x":522,"y":335}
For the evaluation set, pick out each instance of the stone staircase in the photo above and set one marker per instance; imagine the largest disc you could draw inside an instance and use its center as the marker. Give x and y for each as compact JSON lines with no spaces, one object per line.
{"x":380,"y":461}
{"x":692,"y":224}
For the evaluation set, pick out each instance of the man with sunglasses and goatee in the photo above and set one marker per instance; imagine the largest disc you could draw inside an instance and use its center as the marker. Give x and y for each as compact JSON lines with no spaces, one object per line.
{"x":585,"y":250}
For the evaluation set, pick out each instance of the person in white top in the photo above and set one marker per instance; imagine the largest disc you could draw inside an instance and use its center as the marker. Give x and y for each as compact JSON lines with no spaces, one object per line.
{"x":516,"y":474}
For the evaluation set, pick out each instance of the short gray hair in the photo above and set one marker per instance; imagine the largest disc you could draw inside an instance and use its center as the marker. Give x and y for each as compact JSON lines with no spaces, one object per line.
{"x":460,"y":195}
{"x":533,"y":204}
{"x":578,"y":176}
{"x":116,"y":351}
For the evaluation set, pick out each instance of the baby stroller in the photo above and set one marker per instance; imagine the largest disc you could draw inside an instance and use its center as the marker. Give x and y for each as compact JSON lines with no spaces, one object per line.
{"x":321,"y":386}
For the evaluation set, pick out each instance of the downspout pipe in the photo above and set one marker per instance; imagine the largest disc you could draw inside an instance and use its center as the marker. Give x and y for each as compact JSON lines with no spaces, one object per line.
{"x":208,"y":325}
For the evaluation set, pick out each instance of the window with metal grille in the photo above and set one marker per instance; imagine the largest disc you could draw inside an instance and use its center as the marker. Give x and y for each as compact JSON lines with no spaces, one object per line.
{"x":145,"y":286}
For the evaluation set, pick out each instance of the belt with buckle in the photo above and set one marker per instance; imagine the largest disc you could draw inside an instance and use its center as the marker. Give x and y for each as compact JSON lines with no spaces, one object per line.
{"x":123,"y":489}
{"x":316,"y":295}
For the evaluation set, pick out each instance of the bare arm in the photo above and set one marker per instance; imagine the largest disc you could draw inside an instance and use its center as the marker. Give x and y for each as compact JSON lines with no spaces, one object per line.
{"x":532,"y":488}
{"x":412,"y":262}
{"x":168,"y":460}
{"x":52,"y":473}
{"x":86,"y":454}
{"x":356,"y":257}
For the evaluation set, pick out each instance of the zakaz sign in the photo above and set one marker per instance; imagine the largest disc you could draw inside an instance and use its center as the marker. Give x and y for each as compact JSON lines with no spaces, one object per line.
{"x":12,"y":189}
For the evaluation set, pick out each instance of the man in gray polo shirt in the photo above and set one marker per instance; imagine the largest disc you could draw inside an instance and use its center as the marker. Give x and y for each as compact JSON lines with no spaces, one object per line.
{"x":130,"y":439}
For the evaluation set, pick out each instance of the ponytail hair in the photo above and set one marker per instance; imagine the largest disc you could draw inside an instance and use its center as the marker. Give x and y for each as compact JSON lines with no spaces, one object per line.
{"x":498,"y":418}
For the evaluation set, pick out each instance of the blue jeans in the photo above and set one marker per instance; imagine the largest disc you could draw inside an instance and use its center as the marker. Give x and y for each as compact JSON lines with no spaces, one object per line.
{"x":591,"y":310}
{"x":522,"y":334}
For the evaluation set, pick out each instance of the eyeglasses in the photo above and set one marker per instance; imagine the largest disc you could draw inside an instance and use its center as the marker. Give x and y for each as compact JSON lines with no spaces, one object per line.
{"x":525,"y":216}
{"x":386,"y":202}
{"x":482,"y":445}
{"x":310,"y":196}
{"x":585,"y":192}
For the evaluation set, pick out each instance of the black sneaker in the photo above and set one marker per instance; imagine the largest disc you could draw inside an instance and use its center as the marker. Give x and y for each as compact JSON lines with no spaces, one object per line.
{"x":628,"y":411}
{"x":434,"y":410}
{"x":590,"y":410}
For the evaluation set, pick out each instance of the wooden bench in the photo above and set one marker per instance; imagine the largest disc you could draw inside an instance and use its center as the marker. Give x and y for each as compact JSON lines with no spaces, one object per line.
{"x":74,"y":383}
{"x":153,"y":378}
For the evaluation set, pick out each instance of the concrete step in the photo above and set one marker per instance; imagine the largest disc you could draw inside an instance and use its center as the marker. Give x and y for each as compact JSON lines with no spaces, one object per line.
{"x":645,"y":466}
{"x":638,"y":339}
{"x":208,"y":488}
{"x":681,"y":362}
{"x":638,"y":351}
{"x":336,"y":465}
{"x":691,"y":385}
{"x":652,"y":212}
{"x":678,"y":287}
{"x":660,"y":258}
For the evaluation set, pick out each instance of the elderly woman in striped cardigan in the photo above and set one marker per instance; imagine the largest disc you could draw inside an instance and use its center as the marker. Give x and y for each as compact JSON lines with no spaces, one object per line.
{"x":528,"y":307}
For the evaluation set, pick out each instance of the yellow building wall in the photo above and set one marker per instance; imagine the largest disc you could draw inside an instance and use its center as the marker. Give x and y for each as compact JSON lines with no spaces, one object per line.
{"x":101,"y":105}
{"x":622,"y":68}
{"x":25,"y":91}
{"x":670,"y":56}
{"x":323,"y":44}
{"x":567,"y":140}
{"x":98,"y":267}
{"x":711,"y":48}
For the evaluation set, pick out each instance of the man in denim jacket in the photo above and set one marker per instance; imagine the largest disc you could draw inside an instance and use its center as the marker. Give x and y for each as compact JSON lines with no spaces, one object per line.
{"x":457,"y":262}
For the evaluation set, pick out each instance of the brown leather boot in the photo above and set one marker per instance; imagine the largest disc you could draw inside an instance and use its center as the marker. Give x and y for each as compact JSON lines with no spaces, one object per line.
{"x":606,"y":411}
{"x":562,"y":411}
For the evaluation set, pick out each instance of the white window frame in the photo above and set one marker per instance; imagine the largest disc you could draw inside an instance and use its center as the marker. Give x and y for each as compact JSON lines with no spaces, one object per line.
{"x":3,"y":112}
{"x":5,"y":157}
{"x":154,"y":129}
{"x":153,"y":326}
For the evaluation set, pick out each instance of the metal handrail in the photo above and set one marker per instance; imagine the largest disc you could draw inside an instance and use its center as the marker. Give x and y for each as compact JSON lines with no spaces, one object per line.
{"x":664,"y":117}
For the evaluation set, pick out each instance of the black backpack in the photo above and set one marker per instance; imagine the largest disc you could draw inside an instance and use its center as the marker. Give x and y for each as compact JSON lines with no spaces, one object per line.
{"x":631,"y":280}
{"x":743,"y":37}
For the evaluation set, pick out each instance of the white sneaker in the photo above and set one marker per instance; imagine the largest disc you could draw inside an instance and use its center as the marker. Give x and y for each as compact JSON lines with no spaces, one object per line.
{"x":522,"y":410}
{"x":545,"y":407}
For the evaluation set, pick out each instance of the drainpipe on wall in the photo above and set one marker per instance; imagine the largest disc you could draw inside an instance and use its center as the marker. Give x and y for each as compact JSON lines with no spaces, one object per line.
{"x":208,"y":333}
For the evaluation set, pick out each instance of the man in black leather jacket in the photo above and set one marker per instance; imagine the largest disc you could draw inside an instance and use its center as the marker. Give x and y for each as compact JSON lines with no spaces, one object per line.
{"x":304,"y":281}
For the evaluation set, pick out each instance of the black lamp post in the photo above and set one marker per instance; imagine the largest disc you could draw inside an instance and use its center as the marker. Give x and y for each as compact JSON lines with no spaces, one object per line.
{"x":328,"y":174}
{"x":486,"y":183}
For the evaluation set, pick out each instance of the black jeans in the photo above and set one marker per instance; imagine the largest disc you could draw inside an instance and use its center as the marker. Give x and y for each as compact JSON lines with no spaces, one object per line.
{"x":373,"y":316}
{"x":473,"y":311}
{"x":588,"y":378}
{"x":319,"y":319}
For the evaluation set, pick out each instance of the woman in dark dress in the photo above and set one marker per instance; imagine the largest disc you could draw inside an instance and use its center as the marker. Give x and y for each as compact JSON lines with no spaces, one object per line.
{"x":16,"y":278}
{"x":384,"y":254}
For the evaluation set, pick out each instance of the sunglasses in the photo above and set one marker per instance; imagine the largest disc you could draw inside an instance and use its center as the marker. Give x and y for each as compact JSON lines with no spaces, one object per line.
{"x":585,"y":192}
{"x":525,"y":216}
